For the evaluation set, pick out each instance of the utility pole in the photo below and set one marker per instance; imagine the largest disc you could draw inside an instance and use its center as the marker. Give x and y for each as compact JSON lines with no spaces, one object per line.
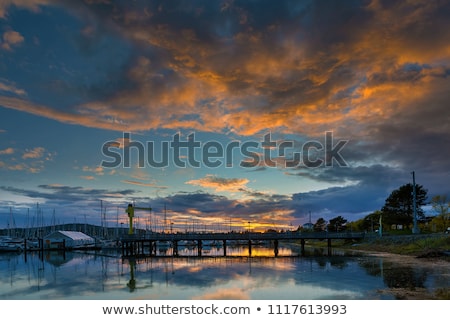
{"x":415,"y":228}
{"x":380,"y":229}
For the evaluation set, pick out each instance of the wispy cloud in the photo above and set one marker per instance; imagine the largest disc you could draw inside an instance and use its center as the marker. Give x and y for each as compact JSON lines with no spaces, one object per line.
{"x":87,"y":177}
{"x":7,"y":151}
{"x":5,"y":86}
{"x":143,"y":184}
{"x":65,"y":194}
{"x":220,"y":184}
{"x":99,"y":171}
{"x":32,"y":5}
{"x":35,"y":153}
{"x":63,"y":116}
{"x":32,"y":160}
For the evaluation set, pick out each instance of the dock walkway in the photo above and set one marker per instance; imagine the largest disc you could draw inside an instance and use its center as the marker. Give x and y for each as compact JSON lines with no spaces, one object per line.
{"x":133,"y":245}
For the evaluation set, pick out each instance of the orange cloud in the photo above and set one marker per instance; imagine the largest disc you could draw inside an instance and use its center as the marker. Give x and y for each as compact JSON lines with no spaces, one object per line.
{"x":97,"y":170}
{"x":268,"y":79}
{"x":123,"y":142}
{"x":220,"y":184}
{"x":11,"y":39}
{"x":7,"y":151}
{"x":32,"y":5}
{"x":66,"y":117}
{"x":34,"y":153}
{"x":87,"y":177}
{"x":17,"y":167}
{"x":7,"y":87}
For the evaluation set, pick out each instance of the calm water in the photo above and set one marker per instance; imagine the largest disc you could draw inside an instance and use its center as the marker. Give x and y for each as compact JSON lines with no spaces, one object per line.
{"x":105,"y":275}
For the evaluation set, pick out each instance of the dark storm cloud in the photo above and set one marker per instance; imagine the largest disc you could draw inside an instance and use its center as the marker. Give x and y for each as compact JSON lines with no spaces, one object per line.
{"x":364,"y":175}
{"x":205,"y":205}
{"x":65,"y":194}
{"x":351,"y":201}
{"x":292,"y":66}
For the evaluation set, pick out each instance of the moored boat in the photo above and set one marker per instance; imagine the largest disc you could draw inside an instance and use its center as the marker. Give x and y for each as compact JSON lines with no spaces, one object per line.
{"x":9,"y":244}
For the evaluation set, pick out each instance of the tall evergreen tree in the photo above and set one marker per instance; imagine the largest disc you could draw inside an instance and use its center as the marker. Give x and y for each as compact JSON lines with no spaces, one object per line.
{"x":337,"y":224}
{"x":398,"y":207}
{"x":320,"y":225}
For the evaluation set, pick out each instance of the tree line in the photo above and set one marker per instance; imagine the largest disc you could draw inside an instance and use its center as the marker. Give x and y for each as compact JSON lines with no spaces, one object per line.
{"x":396,"y":213}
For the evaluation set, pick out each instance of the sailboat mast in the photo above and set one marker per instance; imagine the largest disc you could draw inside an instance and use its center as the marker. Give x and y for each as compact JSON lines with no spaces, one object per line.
{"x":165,"y":218}
{"x":10,"y":222}
{"x":101,"y":214}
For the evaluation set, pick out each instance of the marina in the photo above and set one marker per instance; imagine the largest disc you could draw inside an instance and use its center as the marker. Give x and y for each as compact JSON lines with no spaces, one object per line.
{"x":148,"y":243}
{"x":83,"y":261}
{"x":113,"y":264}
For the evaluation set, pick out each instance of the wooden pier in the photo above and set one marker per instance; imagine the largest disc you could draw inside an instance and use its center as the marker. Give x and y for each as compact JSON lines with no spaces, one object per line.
{"x":145,"y":245}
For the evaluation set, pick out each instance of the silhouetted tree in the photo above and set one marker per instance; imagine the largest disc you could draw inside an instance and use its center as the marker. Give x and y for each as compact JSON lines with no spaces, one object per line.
{"x":337,"y":224}
{"x":320,"y":225}
{"x":398,"y":207}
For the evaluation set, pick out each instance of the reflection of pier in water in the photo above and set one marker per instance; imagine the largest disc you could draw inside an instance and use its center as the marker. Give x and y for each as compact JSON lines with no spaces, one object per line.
{"x":136,"y":245}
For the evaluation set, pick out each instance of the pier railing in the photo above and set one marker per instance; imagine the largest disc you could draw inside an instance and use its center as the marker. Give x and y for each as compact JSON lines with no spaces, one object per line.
{"x":134,"y":245}
{"x":244,"y":236}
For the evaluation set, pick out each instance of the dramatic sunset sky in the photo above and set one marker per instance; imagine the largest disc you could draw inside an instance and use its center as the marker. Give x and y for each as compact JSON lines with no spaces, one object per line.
{"x":75,"y":75}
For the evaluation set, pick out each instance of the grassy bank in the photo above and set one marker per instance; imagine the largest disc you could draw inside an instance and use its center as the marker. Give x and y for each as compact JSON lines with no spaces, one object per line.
{"x":434,"y":245}
{"x":421,"y":246}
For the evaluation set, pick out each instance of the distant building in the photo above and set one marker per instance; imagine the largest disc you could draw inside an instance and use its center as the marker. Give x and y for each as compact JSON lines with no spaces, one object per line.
{"x":68,"y":240}
{"x":308,"y":226}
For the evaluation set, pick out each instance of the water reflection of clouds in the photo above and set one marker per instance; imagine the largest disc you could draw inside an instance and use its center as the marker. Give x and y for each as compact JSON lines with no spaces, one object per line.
{"x":67,"y":259}
{"x":244,"y":277}
{"x":224,"y":294}
{"x":84,"y":276}
{"x":59,"y":277}
{"x":237,"y":273}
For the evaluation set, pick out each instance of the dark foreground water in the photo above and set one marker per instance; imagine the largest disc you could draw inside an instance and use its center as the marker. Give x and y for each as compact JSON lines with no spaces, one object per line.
{"x":105,"y":275}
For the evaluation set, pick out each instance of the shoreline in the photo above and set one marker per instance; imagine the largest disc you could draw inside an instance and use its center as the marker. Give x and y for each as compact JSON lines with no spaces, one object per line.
{"x":431,"y":255}
{"x":415,"y":293}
